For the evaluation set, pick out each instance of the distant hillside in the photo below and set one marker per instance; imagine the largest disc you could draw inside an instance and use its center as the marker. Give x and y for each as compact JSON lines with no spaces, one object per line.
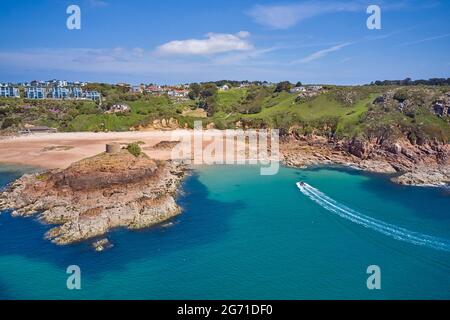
{"x":418,"y":113}
{"x":341,"y":112}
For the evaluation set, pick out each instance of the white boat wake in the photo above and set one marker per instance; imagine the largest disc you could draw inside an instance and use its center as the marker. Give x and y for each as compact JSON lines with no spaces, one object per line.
{"x":390,"y":230}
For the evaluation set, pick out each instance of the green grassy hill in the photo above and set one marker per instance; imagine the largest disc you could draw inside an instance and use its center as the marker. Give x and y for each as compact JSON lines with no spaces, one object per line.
{"x":142,"y":111}
{"x":338,"y":112}
{"x":345,"y":112}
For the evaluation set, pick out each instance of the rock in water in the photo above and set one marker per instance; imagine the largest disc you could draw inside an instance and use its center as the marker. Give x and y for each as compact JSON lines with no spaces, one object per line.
{"x":425,"y":176}
{"x":102,"y":245}
{"x":96,"y":194}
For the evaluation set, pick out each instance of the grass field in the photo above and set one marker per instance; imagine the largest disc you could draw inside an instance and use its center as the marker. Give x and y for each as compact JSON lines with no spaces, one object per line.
{"x":228,"y":101}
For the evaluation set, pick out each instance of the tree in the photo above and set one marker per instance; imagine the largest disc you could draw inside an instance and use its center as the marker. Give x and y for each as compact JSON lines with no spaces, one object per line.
{"x":405,"y":82}
{"x":298,"y":84}
{"x":194,"y":91}
{"x":10,"y":122}
{"x":207,"y":94}
{"x":283,"y":86}
{"x":208,"y":90}
{"x":210,"y":105}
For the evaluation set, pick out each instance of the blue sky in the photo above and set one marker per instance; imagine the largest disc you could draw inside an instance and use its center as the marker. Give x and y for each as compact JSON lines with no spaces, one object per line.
{"x":184,"y":41}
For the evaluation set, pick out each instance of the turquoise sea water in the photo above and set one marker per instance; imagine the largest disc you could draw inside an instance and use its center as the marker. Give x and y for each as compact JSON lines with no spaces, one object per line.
{"x":246,"y":236}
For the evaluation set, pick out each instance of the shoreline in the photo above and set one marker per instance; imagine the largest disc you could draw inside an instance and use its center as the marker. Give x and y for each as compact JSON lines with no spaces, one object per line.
{"x":334,"y":165}
{"x":144,"y":203}
{"x":413,"y":165}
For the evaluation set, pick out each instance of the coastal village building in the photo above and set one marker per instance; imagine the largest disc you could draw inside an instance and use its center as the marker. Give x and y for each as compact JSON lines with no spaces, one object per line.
{"x":306,"y":92}
{"x":174,"y":92}
{"x":59,"y":93}
{"x":315,"y":88}
{"x":92,"y":95}
{"x":137,"y":89}
{"x":178,"y":93}
{"x":7,"y":91}
{"x":77,"y":93}
{"x":118,"y":108}
{"x":154,"y":89}
{"x":35,"y":93}
{"x":51,"y":89}
{"x":55,"y":83}
{"x":36,"y":83}
{"x":298,"y":89}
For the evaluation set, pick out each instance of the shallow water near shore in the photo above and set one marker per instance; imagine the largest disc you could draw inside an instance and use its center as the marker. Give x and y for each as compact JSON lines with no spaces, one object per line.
{"x":247,"y":236}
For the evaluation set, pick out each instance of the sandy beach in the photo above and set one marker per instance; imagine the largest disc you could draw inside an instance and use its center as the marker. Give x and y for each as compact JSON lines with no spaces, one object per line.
{"x":59,"y":150}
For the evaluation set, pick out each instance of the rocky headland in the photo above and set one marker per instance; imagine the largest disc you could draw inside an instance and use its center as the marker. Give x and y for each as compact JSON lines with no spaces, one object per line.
{"x":97,"y":194}
{"x":427,"y":164}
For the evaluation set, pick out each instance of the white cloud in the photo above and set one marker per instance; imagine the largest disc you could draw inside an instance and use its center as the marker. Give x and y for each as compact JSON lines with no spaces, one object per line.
{"x":77,"y":59}
{"x":123,"y":61}
{"x":138,"y":65}
{"x":98,"y":3}
{"x":321,"y":53}
{"x":286,"y":16}
{"x":426,"y":39}
{"x":214,"y":43}
{"x":243,"y":34}
{"x":247,"y":57}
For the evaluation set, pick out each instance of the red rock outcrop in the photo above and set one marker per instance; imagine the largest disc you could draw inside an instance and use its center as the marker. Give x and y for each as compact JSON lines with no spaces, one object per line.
{"x":97,"y":194}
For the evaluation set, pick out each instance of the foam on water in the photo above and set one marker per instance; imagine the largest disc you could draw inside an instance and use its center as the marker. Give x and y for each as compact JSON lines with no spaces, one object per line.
{"x":390,"y":230}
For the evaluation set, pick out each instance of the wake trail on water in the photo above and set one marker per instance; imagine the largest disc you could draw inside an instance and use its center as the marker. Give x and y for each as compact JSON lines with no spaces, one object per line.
{"x":387,"y":229}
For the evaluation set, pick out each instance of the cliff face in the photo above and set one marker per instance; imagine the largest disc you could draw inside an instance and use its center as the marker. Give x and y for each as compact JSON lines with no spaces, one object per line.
{"x":97,"y":194}
{"x":404,"y":130}
{"x":401,"y":154}
{"x":158,"y":124}
{"x":425,"y":164}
